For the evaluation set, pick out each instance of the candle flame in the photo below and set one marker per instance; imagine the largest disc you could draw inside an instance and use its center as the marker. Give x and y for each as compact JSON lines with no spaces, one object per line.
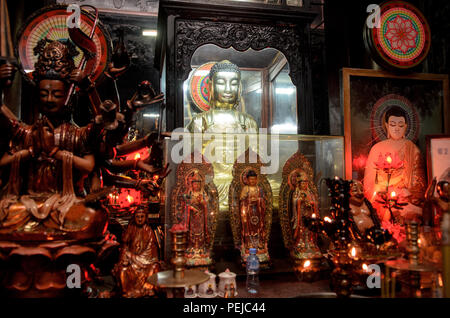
{"x":307,"y":264}
{"x":137,"y":156}
{"x":365,"y":267}
{"x":327,"y":219}
{"x":389,"y":159}
{"x":313,"y":216}
{"x":393,"y":194}
{"x":353,"y":252}
{"x":441,"y":283}
{"x":130,"y":198}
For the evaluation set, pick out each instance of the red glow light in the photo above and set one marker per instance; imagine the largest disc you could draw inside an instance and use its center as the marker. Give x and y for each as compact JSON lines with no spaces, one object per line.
{"x":360,"y":162}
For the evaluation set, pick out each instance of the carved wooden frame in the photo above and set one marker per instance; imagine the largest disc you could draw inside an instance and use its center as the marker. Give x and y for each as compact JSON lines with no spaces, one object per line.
{"x":190,"y":35}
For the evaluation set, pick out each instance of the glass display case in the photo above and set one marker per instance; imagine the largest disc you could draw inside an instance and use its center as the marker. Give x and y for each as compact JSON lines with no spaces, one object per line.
{"x":324,"y":154}
{"x":267,"y":92}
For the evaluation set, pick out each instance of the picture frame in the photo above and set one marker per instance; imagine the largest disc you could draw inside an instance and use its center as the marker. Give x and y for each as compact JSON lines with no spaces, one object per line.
{"x":438,"y":157}
{"x":365,"y":94}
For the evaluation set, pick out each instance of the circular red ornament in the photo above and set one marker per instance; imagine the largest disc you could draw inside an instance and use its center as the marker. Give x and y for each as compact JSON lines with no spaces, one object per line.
{"x":403,"y":38}
{"x":199,"y":86}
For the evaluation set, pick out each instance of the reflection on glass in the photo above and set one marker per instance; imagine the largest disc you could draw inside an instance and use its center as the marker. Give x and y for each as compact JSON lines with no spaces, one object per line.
{"x":324,"y":153}
{"x":297,"y":3}
{"x":251,"y":94}
{"x":284,"y":104}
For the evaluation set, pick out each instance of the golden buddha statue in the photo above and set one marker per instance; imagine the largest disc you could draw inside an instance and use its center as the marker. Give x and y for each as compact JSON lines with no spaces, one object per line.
{"x":223,"y":117}
{"x":224,"y":96}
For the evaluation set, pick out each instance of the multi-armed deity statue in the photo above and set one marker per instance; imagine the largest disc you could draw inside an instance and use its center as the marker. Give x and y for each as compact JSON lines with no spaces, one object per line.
{"x":49,"y":160}
{"x":52,"y":166}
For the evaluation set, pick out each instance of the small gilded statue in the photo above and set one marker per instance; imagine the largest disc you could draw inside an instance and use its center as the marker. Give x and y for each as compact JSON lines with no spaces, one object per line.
{"x":196,"y":217}
{"x":303,"y":203}
{"x":195,"y":206}
{"x":253,"y":208}
{"x":299,"y":199}
{"x":251,"y":211}
{"x":138,"y":257}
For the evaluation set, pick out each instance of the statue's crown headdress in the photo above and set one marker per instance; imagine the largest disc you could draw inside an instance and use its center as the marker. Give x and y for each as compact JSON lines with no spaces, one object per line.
{"x":55,"y":60}
{"x":224,"y":66}
{"x":195,"y":177}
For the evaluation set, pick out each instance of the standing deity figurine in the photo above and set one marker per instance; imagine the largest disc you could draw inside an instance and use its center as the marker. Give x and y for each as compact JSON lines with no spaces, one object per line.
{"x":196,"y":217}
{"x":252,"y":211}
{"x":252,"y":206}
{"x":298,"y":199}
{"x":250,"y":201}
{"x":303,"y":203}
{"x":195,"y":206}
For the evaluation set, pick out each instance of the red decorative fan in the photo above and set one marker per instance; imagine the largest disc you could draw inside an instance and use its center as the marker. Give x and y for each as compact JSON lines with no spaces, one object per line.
{"x":198,"y":86}
{"x":51,"y":23}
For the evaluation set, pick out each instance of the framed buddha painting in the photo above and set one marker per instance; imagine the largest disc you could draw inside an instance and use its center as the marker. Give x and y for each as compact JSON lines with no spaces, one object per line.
{"x":418,"y":101}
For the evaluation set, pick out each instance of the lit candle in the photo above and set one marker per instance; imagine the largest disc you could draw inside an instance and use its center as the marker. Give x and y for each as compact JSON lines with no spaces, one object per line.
{"x":353,"y":252}
{"x":393,"y":194}
{"x":313,"y":215}
{"x":365,"y":267}
{"x":389,"y":160}
{"x":307,"y":264}
{"x":327,"y":219}
{"x":129,"y":198}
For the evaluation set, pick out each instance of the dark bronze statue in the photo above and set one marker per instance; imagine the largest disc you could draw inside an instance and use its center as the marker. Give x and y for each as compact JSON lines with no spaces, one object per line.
{"x":52,"y":170}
